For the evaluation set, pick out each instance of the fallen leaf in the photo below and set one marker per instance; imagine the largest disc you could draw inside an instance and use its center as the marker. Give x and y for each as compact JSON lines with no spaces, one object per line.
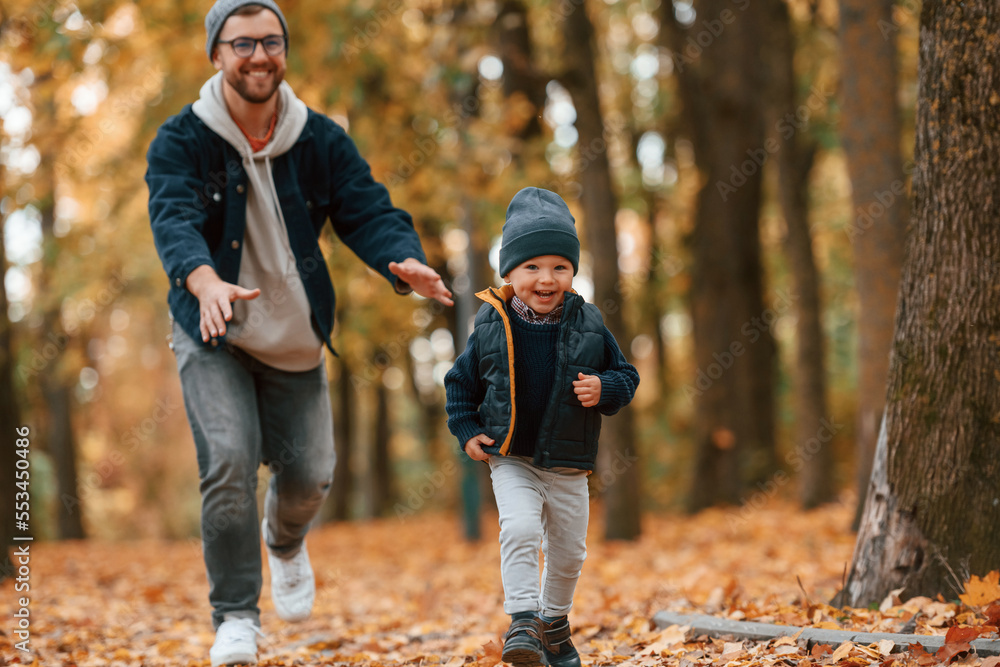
{"x":885,"y":646}
{"x":492,"y":652}
{"x":732,"y":647}
{"x":868,"y":650}
{"x":921,"y":655}
{"x":949,"y":651}
{"x":670,"y":637}
{"x":788,"y":640}
{"x":890,"y":601}
{"x":820,"y":650}
{"x":842,"y":652}
{"x":958,"y":633}
{"x":979,"y":592}
{"x":785,"y":650}
{"x":992,"y":661}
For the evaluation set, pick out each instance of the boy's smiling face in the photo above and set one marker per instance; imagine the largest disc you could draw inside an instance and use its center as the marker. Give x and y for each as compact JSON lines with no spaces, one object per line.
{"x":541,"y":282}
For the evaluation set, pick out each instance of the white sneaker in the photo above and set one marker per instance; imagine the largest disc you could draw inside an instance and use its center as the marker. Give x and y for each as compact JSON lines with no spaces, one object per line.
{"x":235,"y":643}
{"x":293,"y":587}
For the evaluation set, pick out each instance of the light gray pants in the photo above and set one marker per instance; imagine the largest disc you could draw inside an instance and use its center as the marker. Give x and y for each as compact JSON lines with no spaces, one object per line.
{"x":539,"y":507}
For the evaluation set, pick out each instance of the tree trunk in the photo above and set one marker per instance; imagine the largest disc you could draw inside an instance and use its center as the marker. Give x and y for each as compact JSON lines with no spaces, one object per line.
{"x":733,"y":388}
{"x":383,"y":494}
{"x":871,"y":133}
{"x":519,"y":76}
{"x":618,"y":474}
{"x":10,"y":419}
{"x":653,"y":306}
{"x":812,"y":454}
{"x":466,"y":305}
{"x":343,"y":476}
{"x":932,"y":513}
{"x":56,"y":388}
{"x":62,"y":448}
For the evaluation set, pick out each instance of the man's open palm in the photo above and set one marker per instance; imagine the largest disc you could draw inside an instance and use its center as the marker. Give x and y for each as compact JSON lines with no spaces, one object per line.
{"x":424,"y":280}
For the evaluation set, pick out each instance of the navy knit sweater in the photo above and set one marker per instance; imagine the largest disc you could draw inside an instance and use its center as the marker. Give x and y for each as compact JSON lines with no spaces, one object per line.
{"x":534,"y":366}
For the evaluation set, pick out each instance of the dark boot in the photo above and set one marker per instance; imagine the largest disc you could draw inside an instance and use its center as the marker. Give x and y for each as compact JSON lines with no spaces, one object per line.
{"x":522,"y":645}
{"x":559,"y":649}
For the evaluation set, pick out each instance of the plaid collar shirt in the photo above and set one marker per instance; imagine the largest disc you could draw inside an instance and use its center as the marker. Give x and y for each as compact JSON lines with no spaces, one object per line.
{"x":528,"y":315}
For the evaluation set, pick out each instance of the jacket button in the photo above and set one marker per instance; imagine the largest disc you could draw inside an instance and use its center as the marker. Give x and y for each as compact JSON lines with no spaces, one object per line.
{"x":177,"y":281}
{"x":309,"y":205}
{"x":240,"y":188}
{"x":215,"y":343}
{"x":217,"y":197}
{"x":235,"y":244}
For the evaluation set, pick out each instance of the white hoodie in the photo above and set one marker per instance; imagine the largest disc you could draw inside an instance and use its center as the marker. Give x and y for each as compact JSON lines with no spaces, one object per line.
{"x":275,"y":327}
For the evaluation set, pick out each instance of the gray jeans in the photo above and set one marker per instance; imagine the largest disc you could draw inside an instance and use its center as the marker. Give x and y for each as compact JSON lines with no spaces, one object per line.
{"x":244,"y":413}
{"x":539,"y":507}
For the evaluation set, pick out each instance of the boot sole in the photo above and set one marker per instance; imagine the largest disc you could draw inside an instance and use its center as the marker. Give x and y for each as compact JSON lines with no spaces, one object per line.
{"x":522,"y":657}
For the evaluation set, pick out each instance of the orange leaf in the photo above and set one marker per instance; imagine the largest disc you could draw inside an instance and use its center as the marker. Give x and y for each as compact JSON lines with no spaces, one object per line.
{"x":958,"y":633}
{"x":949,"y":651}
{"x":993,"y":614}
{"x":921,"y":655}
{"x":979,"y":592}
{"x":820,"y":650}
{"x":491,"y":654}
{"x":992,"y":661}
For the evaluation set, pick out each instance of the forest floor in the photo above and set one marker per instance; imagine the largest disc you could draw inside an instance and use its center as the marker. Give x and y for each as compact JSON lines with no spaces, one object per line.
{"x":412,"y":592}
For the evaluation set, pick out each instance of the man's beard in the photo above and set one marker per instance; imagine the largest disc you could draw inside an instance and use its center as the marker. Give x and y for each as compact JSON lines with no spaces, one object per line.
{"x":241,"y":83}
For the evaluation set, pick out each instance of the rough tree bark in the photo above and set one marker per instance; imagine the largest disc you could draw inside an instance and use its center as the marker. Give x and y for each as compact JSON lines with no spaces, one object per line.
{"x":871,"y":132}
{"x":932,"y":511}
{"x":618,"y":461}
{"x":812,"y":453}
{"x":719,"y":86}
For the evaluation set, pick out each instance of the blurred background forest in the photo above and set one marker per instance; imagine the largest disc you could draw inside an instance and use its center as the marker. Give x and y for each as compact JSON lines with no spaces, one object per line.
{"x":738,"y":170}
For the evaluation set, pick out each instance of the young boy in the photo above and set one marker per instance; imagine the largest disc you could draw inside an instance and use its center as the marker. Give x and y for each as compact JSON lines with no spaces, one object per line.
{"x":527,"y":396}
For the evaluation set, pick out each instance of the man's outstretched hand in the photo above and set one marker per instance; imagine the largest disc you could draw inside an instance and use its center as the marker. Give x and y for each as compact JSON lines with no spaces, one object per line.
{"x":215,"y":298}
{"x":424,"y":280}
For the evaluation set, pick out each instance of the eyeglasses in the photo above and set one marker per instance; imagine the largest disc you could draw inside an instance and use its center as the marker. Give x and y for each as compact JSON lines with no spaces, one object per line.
{"x":243,"y":47}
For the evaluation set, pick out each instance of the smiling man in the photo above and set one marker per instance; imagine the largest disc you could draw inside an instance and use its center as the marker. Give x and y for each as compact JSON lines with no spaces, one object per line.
{"x":240,"y":185}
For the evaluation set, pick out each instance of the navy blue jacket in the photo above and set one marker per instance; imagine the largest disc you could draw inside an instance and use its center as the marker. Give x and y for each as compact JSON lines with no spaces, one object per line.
{"x":481,"y":386}
{"x":197,"y":209}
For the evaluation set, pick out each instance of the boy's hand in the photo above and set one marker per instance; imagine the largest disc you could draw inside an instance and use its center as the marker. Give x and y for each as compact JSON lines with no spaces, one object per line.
{"x":474,"y":447}
{"x":588,"y":389}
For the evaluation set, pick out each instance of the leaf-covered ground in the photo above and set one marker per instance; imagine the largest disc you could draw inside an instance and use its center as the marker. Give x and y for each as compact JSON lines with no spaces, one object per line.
{"x":412,"y":592}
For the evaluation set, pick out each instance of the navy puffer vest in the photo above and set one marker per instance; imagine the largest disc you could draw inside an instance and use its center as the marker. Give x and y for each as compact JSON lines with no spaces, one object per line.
{"x":569,"y":432}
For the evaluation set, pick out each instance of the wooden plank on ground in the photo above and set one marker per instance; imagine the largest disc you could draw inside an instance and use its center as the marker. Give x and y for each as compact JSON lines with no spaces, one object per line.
{"x":713,"y":626}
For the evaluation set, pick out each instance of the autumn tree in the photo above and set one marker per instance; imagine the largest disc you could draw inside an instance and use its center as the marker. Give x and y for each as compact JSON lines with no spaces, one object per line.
{"x":794,"y":156}
{"x":871,"y":133}
{"x":719,"y":87}
{"x":618,"y":457}
{"x":931,"y":514}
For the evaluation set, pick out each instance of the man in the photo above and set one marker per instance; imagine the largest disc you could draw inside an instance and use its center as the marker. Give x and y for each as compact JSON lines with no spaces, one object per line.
{"x":240,"y":185}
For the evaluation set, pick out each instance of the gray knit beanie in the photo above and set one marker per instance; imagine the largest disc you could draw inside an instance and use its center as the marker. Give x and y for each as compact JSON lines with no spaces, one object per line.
{"x":221,"y":10}
{"x":538,"y":223}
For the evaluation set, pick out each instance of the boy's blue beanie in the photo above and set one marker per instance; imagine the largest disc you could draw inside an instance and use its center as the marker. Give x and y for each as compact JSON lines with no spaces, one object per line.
{"x":221,"y":10}
{"x":538,"y":223}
